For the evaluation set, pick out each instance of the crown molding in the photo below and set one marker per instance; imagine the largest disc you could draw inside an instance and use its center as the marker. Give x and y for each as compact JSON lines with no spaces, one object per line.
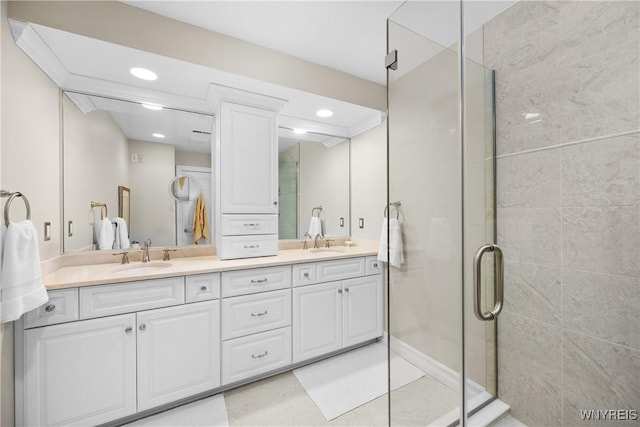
{"x":219,"y":93}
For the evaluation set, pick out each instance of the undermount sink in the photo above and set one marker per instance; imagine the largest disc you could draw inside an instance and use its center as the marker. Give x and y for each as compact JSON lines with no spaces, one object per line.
{"x":146,"y":267}
{"x":327,"y":251}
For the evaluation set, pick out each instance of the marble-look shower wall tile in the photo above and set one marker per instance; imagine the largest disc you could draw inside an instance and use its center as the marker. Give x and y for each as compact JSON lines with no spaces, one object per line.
{"x":532,"y":291}
{"x":529,"y":180}
{"x":602,"y":240}
{"x":602,"y":305}
{"x":553,"y":62}
{"x":530,"y":235}
{"x":602,"y":173}
{"x":530,"y":369}
{"x":598,"y":375}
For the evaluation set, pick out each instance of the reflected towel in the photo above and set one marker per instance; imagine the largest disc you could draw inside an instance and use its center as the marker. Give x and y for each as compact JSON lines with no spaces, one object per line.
{"x":21,"y":287}
{"x":105,"y":234}
{"x":394,"y":250}
{"x":315,"y":228}
{"x":200,"y":226}
{"x":122,"y":234}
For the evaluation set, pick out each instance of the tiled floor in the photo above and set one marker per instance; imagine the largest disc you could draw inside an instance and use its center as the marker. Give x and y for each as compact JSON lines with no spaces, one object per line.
{"x":282,"y":401}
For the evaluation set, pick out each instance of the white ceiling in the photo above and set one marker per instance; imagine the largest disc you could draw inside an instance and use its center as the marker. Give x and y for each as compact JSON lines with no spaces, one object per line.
{"x":349,"y":36}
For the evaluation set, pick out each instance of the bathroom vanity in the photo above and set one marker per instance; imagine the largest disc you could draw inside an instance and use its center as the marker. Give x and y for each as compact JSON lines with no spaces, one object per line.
{"x":113,"y":341}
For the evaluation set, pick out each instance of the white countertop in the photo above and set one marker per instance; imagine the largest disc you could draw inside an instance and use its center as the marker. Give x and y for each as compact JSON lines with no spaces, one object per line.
{"x":98,"y":274}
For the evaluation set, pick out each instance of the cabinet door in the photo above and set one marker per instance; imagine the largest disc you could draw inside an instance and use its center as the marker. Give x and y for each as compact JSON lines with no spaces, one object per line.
{"x":178,"y":352}
{"x":362,"y":309}
{"x":80,"y":373}
{"x":248,"y":160}
{"x":317,"y":320}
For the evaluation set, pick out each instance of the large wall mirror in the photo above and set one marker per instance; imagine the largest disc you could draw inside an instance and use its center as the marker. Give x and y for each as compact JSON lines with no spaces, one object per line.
{"x":162,"y":157}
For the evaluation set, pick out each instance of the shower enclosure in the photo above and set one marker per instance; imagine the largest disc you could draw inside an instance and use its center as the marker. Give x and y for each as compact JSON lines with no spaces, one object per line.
{"x":441,"y":168}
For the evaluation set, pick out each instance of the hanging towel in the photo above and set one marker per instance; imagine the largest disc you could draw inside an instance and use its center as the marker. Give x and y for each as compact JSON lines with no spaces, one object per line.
{"x":395,"y":248}
{"x":21,"y":287}
{"x":315,"y":228}
{"x":200,"y":226}
{"x":121,"y":233}
{"x":105,"y":234}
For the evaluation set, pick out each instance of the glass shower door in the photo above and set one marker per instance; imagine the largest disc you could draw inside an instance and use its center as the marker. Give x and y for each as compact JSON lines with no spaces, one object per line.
{"x":441,"y":189}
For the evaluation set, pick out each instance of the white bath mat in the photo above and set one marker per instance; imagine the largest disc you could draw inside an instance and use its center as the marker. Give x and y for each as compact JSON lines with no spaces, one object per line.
{"x":342,"y":383}
{"x":209,"y":412}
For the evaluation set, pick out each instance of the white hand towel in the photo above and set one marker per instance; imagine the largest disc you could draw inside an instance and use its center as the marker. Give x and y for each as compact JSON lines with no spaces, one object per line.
{"x":122,"y":234}
{"x":394,"y":250}
{"x":315,"y":228}
{"x":21,"y":288}
{"x":105,"y":234}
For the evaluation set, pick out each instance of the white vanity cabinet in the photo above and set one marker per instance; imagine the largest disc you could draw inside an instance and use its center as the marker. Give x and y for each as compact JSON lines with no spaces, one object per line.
{"x":246,"y":181}
{"x":79,"y":373}
{"x":338,"y":314}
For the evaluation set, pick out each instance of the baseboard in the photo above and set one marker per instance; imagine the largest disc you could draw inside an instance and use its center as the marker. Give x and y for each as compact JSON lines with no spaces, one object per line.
{"x":432,"y":367}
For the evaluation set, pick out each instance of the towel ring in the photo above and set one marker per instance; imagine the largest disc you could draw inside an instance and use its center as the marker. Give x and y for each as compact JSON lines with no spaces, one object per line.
{"x":317,"y":208}
{"x":104,"y":212}
{"x":7,"y":206}
{"x":395,"y":205}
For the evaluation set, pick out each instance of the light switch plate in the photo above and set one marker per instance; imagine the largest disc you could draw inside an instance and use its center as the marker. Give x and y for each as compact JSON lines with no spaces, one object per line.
{"x":47,"y":231}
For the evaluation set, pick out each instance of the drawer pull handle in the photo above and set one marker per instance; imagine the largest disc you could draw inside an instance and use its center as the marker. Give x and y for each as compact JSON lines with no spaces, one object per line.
{"x":251,"y":225}
{"x":251,"y":246}
{"x":259,"y":356}
{"x":128,"y":330}
{"x":259,"y":280}
{"x":264,"y":313}
{"x":306,"y":274}
{"x":375,"y":265}
{"x":50,"y":308}
{"x":203,"y":288}
{"x":143,"y":327}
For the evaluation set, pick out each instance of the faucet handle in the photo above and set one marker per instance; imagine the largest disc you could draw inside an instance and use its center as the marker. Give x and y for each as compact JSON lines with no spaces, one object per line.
{"x":166,"y":256}
{"x":125,"y":257}
{"x":328,"y":243}
{"x":305,"y":245}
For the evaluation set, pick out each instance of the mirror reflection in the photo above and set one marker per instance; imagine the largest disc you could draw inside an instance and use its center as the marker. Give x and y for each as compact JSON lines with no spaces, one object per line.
{"x":162,"y":156}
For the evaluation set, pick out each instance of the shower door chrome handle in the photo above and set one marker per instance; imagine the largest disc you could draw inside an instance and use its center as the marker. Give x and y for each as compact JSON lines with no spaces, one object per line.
{"x":498,"y":284}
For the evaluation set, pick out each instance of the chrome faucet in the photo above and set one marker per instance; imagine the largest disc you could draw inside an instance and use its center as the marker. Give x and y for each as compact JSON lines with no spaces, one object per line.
{"x":145,"y":251}
{"x":315,"y":241}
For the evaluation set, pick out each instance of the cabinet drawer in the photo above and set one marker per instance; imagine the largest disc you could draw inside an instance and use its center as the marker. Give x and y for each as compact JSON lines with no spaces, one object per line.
{"x":62,"y":307}
{"x":304,"y":274}
{"x":202,"y":287}
{"x":243,"y":282}
{"x":250,"y":314}
{"x":105,"y":300}
{"x":340,"y":269}
{"x":240,"y":225}
{"x":248,"y":246}
{"x":373,"y":265}
{"x":256,"y":354}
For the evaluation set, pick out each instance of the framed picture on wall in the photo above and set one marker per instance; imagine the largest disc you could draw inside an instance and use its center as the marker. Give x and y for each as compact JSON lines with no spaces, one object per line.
{"x":124,"y":205}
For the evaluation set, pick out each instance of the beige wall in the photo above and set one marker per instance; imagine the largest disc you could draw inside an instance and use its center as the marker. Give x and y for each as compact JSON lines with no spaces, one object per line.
{"x":324,"y":181}
{"x":157,"y":34}
{"x":96,"y":162}
{"x":368,"y":182}
{"x":152,"y":209}
{"x":190,"y":158}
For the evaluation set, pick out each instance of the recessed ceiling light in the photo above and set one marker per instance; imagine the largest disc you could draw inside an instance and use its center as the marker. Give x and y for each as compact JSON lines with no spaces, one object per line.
{"x":153,"y":107}
{"x":324,"y":113}
{"x":158,"y":135}
{"x":299,"y":131}
{"x":143,"y":73}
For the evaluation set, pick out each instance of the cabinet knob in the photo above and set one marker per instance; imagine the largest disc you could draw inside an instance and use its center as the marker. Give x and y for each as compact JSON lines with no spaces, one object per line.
{"x":275,"y":203}
{"x":375,"y":265}
{"x":50,"y":308}
{"x":143,"y":327}
{"x":306,"y":274}
{"x":203,"y":288}
{"x":128,"y":330}
{"x":346,"y":289}
{"x":339,"y":291}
